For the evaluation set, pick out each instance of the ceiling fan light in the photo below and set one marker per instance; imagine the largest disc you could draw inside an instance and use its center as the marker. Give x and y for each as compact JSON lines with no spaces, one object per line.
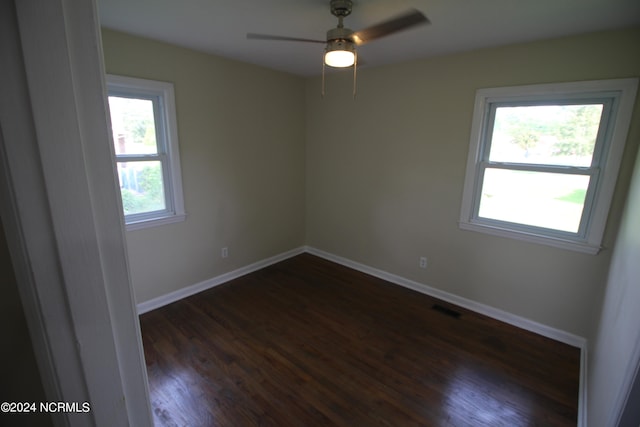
{"x":340,"y":54}
{"x":339,"y":58}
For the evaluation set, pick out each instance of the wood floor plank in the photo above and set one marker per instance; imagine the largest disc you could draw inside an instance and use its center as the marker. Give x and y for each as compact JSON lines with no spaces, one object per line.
{"x":307,"y":342}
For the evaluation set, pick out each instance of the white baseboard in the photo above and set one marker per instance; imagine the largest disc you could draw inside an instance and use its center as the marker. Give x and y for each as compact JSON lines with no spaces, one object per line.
{"x":174,"y":296}
{"x":512,"y":319}
{"x":582,"y":392}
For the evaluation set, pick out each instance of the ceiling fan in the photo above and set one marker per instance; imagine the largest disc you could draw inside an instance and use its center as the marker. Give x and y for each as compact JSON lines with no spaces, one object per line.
{"x":341,"y":42}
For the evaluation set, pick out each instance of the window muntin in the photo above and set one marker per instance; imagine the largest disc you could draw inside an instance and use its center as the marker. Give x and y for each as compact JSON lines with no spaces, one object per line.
{"x":145,"y":147}
{"x":544,"y":159}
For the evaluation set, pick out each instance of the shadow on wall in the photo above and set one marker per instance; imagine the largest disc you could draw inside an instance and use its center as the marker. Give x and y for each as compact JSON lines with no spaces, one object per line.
{"x":19,"y":374}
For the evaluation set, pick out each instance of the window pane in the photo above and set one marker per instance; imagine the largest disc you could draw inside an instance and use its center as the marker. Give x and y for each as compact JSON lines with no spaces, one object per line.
{"x":141,"y":186}
{"x":540,"y":199}
{"x":546,"y":134}
{"x":133,"y":126}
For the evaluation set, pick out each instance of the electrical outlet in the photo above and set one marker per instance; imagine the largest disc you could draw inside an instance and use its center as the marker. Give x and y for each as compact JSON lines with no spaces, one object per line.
{"x":423,"y":262}
{"x":224,"y":252}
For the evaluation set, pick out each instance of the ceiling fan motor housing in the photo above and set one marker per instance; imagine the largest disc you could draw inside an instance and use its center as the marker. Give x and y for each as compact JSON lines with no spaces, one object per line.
{"x":340,"y":44}
{"x":339,"y":33}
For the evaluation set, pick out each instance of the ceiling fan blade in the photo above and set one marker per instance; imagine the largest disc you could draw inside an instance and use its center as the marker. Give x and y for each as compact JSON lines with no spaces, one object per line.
{"x":253,"y":36}
{"x":402,"y":22}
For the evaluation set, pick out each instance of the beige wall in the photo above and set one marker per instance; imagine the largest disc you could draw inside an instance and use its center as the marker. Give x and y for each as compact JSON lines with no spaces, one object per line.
{"x":383,"y":172}
{"x":241,"y":136}
{"x":385,"y":176}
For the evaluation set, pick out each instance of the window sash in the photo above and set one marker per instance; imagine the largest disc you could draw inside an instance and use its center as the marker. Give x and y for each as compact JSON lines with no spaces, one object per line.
{"x":166,"y":182}
{"x":580,"y":235}
{"x":158,"y":113}
{"x":161,"y":156}
{"x":606,"y":100}
{"x":162,"y":97}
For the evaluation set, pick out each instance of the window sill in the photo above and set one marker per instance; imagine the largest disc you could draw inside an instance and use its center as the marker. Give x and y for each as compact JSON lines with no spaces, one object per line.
{"x":532,"y":238}
{"x":155,"y":222}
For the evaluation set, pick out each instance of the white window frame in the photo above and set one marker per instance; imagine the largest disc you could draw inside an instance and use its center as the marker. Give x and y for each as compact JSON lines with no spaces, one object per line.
{"x":163,"y":97}
{"x":604,"y":169}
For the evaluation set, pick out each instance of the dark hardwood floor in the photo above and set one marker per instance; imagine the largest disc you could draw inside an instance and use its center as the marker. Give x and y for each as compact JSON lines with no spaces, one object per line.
{"x":307,"y":342}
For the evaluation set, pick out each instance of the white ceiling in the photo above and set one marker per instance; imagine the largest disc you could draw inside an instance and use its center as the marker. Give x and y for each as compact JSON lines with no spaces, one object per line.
{"x":220,"y":26}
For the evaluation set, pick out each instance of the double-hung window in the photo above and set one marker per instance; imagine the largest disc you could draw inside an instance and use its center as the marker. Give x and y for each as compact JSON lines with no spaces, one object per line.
{"x":544,"y":159}
{"x":143,"y":122}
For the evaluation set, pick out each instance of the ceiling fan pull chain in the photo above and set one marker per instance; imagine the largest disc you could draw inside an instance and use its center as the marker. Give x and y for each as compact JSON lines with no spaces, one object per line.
{"x":355,"y":69}
{"x":322,"y":91}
